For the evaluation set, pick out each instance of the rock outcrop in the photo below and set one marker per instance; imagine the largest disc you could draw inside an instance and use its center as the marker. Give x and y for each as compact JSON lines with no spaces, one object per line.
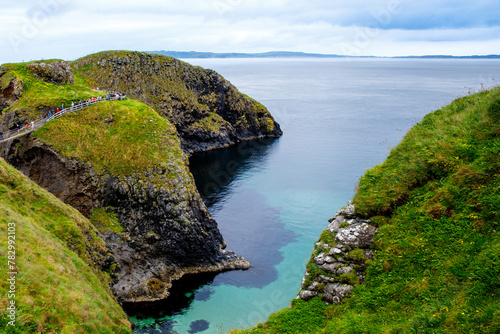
{"x":57,"y":72}
{"x":168,"y":231}
{"x":11,"y":89}
{"x":207,"y":110}
{"x":339,"y":258}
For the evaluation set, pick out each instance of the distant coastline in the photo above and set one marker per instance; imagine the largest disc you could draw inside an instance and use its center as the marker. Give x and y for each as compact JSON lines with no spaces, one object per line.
{"x":290,"y":54}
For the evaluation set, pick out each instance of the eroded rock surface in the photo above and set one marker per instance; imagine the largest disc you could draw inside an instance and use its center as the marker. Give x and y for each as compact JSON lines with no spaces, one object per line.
{"x":11,"y":89}
{"x":168,"y":231}
{"x":57,"y":72}
{"x":341,"y":262}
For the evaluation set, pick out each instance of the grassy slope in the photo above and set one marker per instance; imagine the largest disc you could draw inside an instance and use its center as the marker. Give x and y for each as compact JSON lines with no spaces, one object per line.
{"x":123,"y":137}
{"x":437,"y":263}
{"x":38,"y":94}
{"x":58,"y":289}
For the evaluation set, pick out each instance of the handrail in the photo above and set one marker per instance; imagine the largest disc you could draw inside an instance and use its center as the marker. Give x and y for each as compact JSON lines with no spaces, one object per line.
{"x":13,"y":134}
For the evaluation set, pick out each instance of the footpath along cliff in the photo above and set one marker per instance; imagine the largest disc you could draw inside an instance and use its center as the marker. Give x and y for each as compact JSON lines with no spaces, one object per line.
{"x":123,"y":164}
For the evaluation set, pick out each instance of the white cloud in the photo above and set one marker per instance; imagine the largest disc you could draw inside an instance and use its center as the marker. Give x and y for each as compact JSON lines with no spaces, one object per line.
{"x":69,"y":29}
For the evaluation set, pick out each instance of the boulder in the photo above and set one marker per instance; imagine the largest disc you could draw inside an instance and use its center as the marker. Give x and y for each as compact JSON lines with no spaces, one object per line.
{"x":331,"y":267}
{"x":57,"y":72}
{"x":307,"y":294}
{"x":335,"y":251}
{"x":320,"y":259}
{"x":357,"y":235}
{"x":347,"y":211}
{"x":334,"y":293}
{"x":335,"y":224}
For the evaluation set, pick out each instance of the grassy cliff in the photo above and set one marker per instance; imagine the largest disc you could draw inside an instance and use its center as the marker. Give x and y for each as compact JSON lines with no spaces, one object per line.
{"x":59,"y":287}
{"x":436,"y":200}
{"x":37,"y":95}
{"x":124,"y":137}
{"x":122,"y":165}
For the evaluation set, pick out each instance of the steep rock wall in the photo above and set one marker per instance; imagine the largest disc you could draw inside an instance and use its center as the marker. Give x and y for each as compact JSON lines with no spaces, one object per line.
{"x":168,"y":231}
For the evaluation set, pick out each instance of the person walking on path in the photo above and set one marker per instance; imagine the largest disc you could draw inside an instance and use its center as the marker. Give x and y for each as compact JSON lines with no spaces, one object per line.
{"x":32,"y":125}
{"x":1,"y":135}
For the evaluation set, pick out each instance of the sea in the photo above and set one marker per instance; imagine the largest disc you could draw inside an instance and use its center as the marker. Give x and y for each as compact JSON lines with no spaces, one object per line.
{"x":273,"y":198}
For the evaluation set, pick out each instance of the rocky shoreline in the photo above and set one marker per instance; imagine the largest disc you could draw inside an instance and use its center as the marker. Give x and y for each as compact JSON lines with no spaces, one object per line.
{"x":339,"y":258}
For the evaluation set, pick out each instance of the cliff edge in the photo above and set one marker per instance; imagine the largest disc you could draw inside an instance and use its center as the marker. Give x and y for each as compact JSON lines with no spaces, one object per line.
{"x":123,"y":164}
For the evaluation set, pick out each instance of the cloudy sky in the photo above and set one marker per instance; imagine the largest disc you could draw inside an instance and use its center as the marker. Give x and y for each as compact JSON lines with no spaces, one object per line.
{"x":69,"y":29}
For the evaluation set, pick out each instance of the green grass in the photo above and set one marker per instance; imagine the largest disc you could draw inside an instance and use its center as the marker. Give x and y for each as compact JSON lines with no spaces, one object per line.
{"x":105,"y":219}
{"x":122,"y":137}
{"x":212,"y":123}
{"x":59,"y":288}
{"x":436,"y":200}
{"x":38,"y":94}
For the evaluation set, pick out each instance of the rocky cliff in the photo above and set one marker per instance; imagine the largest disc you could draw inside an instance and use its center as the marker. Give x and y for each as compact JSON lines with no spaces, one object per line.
{"x":206,"y":109}
{"x":339,"y":257}
{"x":167,"y":231}
{"x":121,"y":164}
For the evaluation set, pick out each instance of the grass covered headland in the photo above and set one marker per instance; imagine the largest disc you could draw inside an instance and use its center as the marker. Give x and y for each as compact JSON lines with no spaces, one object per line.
{"x":436,"y":200}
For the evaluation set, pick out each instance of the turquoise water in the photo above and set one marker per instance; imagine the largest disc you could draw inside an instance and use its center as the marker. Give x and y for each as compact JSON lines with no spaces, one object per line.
{"x":272,"y":199}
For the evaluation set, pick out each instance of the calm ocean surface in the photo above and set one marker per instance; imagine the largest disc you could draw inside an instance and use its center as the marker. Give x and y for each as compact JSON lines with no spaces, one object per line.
{"x":272,"y":199}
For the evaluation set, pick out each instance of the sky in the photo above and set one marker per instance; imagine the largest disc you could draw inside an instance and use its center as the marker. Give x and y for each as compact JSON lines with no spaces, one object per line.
{"x":69,"y":29}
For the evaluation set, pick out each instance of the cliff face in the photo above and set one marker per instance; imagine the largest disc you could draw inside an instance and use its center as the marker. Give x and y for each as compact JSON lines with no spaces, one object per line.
{"x":121,"y":164}
{"x":207,"y":110}
{"x":11,"y":89}
{"x":167,"y":230}
{"x":338,"y":261}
